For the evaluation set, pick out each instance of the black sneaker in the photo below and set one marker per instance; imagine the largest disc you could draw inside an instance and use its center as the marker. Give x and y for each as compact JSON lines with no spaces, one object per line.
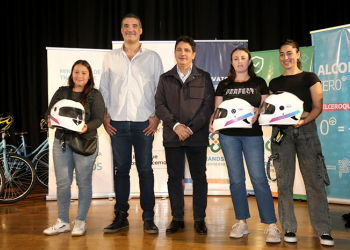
{"x":326,"y":240}
{"x":290,"y":237}
{"x":150,"y":227}
{"x":346,"y":216}
{"x":120,"y":222}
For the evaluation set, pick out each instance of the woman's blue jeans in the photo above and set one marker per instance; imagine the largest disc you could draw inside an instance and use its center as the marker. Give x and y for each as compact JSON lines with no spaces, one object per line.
{"x":65,"y":163}
{"x":253,"y":150}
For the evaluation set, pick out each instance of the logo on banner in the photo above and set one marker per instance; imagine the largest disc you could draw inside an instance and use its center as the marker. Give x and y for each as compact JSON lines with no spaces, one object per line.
{"x":345,"y":78}
{"x":214,"y":144}
{"x":258,"y":63}
{"x":344,"y":166}
{"x":304,"y":58}
{"x":268,"y":145}
{"x":332,"y":121}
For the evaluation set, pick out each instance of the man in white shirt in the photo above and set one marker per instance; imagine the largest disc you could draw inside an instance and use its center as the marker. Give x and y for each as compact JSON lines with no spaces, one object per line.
{"x":128,"y":83}
{"x":185,"y":102}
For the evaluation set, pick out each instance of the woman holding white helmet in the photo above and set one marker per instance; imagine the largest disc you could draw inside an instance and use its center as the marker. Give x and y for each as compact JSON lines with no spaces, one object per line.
{"x":244,"y":84}
{"x":300,"y":139}
{"x":77,"y":107}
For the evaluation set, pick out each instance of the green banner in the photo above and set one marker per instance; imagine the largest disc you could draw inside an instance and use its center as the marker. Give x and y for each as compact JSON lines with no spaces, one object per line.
{"x":268,"y":66}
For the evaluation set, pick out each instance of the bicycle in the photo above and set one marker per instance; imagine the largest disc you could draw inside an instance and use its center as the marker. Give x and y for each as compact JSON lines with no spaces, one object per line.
{"x":19,"y":172}
{"x":2,"y":181}
{"x":2,"y":175}
{"x":10,"y":148}
{"x":40,"y":159}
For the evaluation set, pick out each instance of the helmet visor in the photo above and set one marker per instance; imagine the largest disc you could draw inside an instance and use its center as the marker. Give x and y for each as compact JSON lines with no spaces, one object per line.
{"x":220,"y":113}
{"x":71,"y":112}
{"x":267,"y":108}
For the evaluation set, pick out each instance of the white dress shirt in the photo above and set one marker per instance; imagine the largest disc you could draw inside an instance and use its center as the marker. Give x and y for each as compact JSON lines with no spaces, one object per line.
{"x":128,"y":87}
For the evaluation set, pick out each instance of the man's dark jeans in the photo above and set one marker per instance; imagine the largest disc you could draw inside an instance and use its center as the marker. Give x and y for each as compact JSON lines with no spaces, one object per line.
{"x":131,"y":134}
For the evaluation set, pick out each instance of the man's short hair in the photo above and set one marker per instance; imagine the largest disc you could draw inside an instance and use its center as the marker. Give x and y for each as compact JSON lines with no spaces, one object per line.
{"x":186,"y":39}
{"x":131,"y":15}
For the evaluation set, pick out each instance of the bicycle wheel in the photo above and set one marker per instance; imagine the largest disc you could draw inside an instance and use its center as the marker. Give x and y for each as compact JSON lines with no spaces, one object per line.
{"x":2,"y":181}
{"x":21,"y":180}
{"x":41,"y":165}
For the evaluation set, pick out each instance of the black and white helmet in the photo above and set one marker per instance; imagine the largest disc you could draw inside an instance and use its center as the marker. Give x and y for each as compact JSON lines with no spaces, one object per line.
{"x":68,"y":114}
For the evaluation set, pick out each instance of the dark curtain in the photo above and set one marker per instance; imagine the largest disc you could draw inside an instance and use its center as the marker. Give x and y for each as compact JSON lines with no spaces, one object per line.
{"x":28,"y":27}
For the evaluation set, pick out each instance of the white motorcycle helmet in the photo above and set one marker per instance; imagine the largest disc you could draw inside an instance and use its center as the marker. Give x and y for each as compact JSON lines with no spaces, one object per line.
{"x":68,"y":114}
{"x":233,"y":113}
{"x":281,"y":108}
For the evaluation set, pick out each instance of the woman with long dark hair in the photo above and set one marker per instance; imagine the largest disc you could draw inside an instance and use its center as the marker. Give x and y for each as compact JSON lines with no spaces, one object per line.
{"x":80,"y":89}
{"x":243,"y":83}
{"x":301,"y":140}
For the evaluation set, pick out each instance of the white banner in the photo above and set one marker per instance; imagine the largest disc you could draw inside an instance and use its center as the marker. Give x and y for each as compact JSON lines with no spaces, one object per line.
{"x":60,"y":62}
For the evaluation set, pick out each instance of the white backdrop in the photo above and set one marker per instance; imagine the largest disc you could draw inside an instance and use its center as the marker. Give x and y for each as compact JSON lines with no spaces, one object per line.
{"x":60,"y":62}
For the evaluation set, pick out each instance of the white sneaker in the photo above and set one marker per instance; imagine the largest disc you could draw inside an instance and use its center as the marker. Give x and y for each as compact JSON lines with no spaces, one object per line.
{"x":239,"y":229}
{"x":79,"y":228}
{"x":273,"y":234}
{"x":59,"y":227}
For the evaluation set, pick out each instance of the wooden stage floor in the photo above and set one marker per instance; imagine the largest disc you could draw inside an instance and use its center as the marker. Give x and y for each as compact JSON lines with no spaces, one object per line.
{"x":21,"y":227}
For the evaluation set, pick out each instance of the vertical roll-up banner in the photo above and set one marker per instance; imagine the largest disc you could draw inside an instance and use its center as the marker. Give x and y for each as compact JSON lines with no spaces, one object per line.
{"x":267,"y":66}
{"x":59,"y":63}
{"x":332,"y":66}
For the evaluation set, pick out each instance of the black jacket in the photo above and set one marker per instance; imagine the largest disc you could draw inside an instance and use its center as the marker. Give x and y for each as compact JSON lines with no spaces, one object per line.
{"x":190,"y":103}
